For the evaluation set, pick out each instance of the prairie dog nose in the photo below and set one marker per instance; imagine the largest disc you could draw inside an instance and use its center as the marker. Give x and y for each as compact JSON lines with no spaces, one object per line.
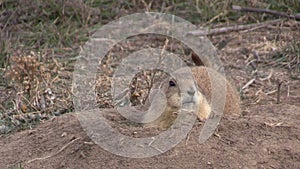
{"x":191,"y":91}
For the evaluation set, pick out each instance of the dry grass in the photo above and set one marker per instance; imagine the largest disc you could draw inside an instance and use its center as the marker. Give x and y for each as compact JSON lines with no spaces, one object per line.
{"x":39,"y":88}
{"x":289,"y":58}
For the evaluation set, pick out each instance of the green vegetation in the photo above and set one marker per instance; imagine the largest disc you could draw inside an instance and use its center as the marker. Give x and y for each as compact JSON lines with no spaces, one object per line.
{"x":17,"y":166}
{"x":289,"y":58}
{"x":58,"y":26}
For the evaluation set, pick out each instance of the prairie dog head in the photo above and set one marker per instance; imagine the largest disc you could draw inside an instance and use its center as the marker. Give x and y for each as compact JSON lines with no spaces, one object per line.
{"x":181,"y":89}
{"x":184,"y":89}
{"x":180,"y":92}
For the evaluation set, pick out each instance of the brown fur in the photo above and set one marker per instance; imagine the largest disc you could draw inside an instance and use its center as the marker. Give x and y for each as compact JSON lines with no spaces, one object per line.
{"x":203,"y":95}
{"x":232,"y":103}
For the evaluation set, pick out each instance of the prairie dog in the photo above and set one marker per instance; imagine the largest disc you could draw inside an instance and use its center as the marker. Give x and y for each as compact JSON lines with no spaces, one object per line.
{"x":193,"y":90}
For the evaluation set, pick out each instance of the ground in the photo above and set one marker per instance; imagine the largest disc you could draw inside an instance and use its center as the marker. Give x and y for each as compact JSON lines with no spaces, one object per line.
{"x":253,"y":141}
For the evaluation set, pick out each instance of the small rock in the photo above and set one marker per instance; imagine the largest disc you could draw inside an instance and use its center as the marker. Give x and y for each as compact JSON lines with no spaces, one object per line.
{"x":31,"y":117}
{"x":82,"y":155}
{"x":64,"y":134}
{"x":56,"y":113}
{"x":252,"y":162}
{"x":3,"y":129}
{"x":31,"y":132}
{"x":44,"y":117}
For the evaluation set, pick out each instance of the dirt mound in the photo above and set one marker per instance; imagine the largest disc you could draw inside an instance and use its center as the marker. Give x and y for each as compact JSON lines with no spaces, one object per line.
{"x":269,"y":138}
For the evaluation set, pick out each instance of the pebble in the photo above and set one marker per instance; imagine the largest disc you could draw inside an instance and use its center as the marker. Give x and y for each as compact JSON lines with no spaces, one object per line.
{"x":64,"y":134}
{"x":252,"y":162}
{"x":3,"y":129}
{"x":56,"y":113}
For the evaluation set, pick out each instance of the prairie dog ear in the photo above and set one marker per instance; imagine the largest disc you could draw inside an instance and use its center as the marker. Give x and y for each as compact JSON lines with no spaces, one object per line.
{"x":196,"y":59}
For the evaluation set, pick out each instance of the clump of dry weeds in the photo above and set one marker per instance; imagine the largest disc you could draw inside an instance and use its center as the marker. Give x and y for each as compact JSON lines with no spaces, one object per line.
{"x":40,"y":89}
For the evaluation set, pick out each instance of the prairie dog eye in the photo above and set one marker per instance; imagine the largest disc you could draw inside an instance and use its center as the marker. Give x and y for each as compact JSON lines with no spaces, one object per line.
{"x":172,"y":83}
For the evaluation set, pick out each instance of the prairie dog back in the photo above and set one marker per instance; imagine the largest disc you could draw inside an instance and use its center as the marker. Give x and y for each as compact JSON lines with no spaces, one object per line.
{"x":232,"y":103}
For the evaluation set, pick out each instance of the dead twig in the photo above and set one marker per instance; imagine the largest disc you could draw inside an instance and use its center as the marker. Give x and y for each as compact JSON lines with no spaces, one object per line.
{"x":216,"y":31}
{"x":49,"y":156}
{"x":248,"y":84}
{"x":273,"y":124}
{"x":3,"y":108}
{"x":226,"y":141}
{"x":268,"y":77}
{"x":278,"y":91}
{"x":152,"y":78}
{"x":267,"y":11}
{"x":271,"y":92}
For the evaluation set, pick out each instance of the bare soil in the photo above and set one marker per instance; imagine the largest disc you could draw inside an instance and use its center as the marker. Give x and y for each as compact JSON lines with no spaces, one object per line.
{"x":267,"y":135}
